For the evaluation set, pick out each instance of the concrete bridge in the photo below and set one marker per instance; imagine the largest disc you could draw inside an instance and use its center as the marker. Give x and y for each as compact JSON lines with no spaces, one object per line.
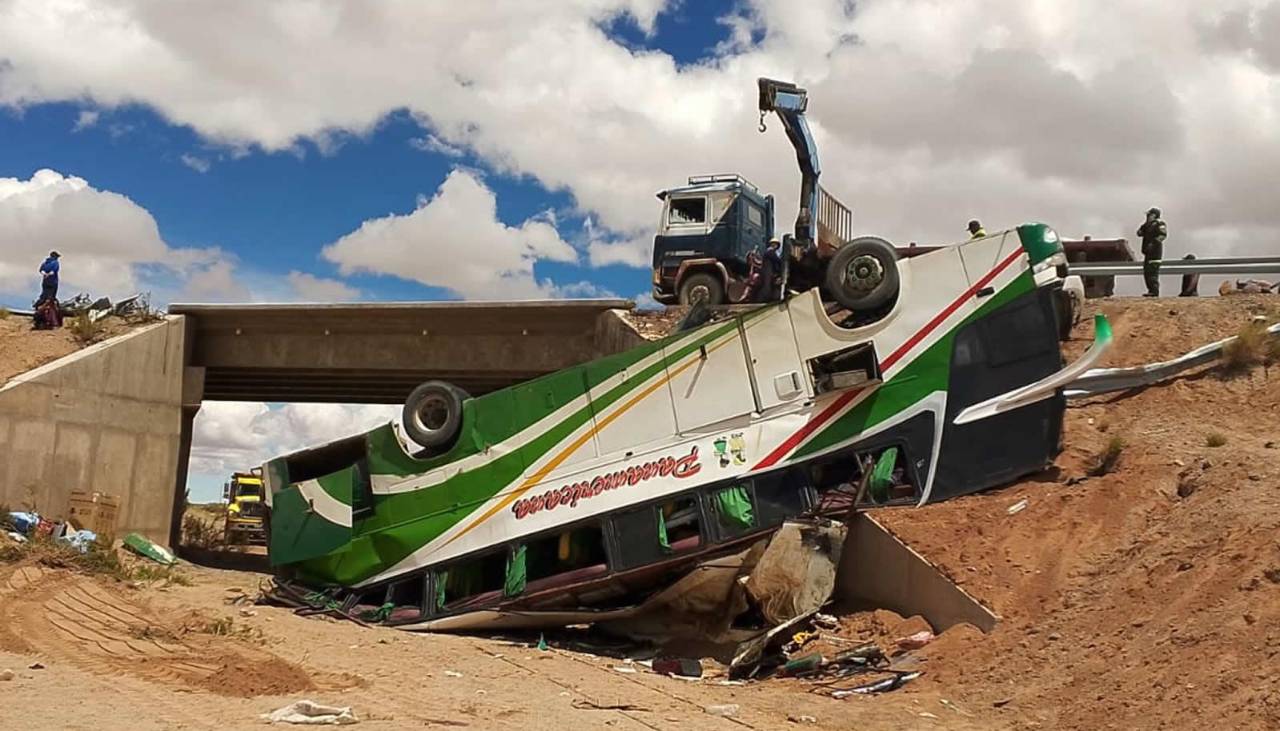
{"x":118,"y":417}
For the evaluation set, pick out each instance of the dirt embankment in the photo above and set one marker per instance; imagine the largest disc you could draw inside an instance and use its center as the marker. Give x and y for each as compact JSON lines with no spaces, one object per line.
{"x":22,"y":348}
{"x":1148,"y":597}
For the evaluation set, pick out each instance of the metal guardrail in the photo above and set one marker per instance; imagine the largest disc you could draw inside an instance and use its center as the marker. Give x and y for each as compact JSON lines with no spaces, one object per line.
{"x":1108,"y":380}
{"x":1225,"y":265}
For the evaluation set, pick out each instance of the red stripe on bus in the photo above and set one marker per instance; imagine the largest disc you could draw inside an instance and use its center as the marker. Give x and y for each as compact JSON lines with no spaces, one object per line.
{"x":843,"y":400}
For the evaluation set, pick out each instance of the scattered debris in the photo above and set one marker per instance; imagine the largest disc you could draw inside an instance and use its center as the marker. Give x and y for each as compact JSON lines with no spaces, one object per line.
{"x":586,"y":705}
{"x":880,"y":686}
{"x":35,"y":666}
{"x":801,"y":719}
{"x":1017,"y":507}
{"x":311,"y":713}
{"x":149,"y":549}
{"x":725,"y":710}
{"x":825,"y":621}
{"x":915,"y":641}
{"x":452,"y":674}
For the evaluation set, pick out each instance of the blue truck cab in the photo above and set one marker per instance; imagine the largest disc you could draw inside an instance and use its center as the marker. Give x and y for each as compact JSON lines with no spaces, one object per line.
{"x":707,"y":231}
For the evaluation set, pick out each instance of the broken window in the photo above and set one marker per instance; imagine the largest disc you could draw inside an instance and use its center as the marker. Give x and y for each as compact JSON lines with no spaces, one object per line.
{"x":836,"y":480}
{"x":688,"y":210}
{"x":476,"y":580}
{"x":781,"y":495}
{"x":405,"y":600}
{"x":572,"y":555}
{"x":679,"y":525}
{"x":735,"y":509}
{"x":655,"y":532}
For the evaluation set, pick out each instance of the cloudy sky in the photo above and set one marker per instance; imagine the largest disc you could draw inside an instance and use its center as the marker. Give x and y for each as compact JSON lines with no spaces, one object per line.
{"x":410,"y":149}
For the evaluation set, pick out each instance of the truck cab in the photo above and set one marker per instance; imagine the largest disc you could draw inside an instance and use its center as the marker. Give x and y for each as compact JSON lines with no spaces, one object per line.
{"x":244,"y":494}
{"x":708,"y":230}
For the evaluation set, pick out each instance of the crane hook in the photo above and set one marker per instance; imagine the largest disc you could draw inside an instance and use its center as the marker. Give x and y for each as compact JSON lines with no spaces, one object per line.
{"x":762,"y":127}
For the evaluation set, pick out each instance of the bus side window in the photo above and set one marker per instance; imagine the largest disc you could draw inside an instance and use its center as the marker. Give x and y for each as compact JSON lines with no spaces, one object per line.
{"x":655,"y":532}
{"x":780,"y":496}
{"x":735,"y":510}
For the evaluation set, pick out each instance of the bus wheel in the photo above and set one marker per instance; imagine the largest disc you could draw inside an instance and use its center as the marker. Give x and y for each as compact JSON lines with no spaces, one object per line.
{"x":863,"y":274}
{"x":433,"y":414}
{"x":701,"y":286}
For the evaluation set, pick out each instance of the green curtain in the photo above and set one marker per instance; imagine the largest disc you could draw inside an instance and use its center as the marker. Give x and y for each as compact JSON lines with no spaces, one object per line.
{"x":735,"y":507}
{"x":516,"y":573}
{"x":442,"y":580}
{"x":882,"y":474}
{"x":662,"y":532}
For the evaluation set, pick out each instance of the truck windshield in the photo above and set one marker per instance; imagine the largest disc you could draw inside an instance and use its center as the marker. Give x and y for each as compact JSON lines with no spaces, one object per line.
{"x":244,"y":490}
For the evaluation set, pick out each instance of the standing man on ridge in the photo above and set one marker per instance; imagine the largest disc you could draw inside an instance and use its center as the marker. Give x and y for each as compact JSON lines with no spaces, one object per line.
{"x":1153,"y":233}
{"x":49,"y":274}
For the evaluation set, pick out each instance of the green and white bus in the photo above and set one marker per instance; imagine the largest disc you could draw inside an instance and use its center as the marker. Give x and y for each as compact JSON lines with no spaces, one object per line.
{"x":587,"y":488}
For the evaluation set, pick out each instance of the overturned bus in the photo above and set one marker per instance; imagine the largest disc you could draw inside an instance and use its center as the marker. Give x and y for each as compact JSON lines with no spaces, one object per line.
{"x":588,"y":489}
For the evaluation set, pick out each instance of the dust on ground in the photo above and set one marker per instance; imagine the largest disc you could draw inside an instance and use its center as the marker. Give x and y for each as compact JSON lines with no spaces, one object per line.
{"x":1145,"y":598}
{"x":22,"y":348}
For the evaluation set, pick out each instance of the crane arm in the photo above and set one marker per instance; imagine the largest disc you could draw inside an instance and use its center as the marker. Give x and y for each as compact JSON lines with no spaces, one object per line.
{"x":789,"y":101}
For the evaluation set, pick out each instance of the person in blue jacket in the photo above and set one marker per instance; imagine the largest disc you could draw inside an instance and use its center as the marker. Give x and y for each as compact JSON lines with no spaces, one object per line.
{"x":49,"y":272}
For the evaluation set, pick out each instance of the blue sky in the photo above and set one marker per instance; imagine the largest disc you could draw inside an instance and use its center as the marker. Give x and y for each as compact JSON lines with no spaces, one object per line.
{"x":275,"y":210}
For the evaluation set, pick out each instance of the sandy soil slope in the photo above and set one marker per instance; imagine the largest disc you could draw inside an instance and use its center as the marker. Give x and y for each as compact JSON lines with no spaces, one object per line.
{"x":22,"y":348}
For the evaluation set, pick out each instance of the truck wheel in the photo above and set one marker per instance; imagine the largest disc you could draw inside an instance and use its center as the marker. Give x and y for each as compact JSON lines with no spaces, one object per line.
{"x":433,"y":414}
{"x":701,"y":286}
{"x":863,"y":274}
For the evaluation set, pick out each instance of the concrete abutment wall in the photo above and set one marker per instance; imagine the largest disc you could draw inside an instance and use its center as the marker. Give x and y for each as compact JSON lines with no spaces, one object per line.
{"x":106,"y":419}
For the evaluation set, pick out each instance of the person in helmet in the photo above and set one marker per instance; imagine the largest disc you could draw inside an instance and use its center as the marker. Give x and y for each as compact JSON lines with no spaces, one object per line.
{"x":976,"y":231}
{"x":1153,"y":233}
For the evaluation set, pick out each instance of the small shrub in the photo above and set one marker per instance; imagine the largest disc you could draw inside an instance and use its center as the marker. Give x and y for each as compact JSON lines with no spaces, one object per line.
{"x":1215,"y":439}
{"x":1251,"y":347}
{"x":4,"y":313}
{"x":198,"y":532}
{"x":84,"y":330}
{"x":1109,"y":457}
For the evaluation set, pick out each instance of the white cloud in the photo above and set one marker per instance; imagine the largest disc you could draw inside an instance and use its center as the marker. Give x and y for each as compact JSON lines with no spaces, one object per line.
{"x":198,"y":164}
{"x":86,"y":119}
{"x":111,"y":246}
{"x":234,"y":436}
{"x":319,"y":289}
{"x":1082,"y":114}
{"x":101,"y":235}
{"x":455,"y":241}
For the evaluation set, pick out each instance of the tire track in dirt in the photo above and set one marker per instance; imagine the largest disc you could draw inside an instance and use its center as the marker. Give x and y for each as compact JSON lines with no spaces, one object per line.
{"x":72,"y":619}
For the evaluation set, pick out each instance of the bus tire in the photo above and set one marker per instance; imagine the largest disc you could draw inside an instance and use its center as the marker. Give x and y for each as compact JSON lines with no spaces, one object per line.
{"x":702,"y":286}
{"x":432,"y":414}
{"x":863,"y":274}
